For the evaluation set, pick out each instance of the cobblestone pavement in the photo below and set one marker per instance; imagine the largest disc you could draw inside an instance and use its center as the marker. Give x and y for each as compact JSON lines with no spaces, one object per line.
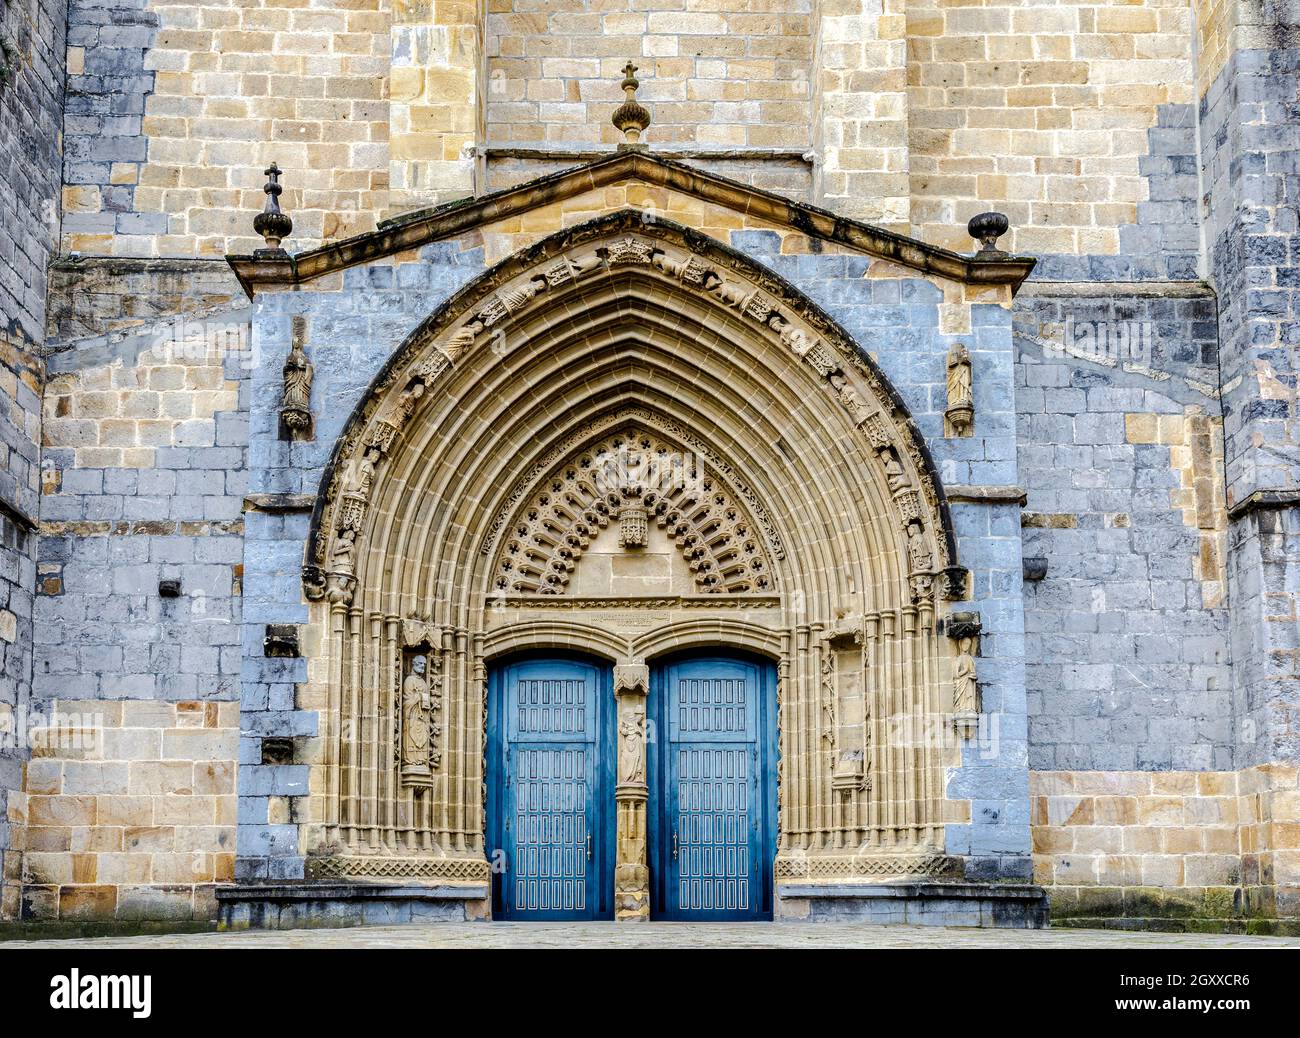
{"x":671,"y":935}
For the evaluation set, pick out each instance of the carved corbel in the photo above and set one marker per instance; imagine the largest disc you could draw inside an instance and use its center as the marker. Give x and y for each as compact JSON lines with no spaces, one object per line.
{"x":955,"y":583}
{"x":419,"y":633}
{"x":313,"y":583}
{"x":632,"y":679}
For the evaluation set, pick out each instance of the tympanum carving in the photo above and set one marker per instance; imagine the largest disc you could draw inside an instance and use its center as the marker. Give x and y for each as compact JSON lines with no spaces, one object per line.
{"x":637,"y":479}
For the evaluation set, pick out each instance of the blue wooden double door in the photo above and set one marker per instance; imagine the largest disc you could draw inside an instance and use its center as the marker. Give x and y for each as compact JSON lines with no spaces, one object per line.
{"x":711,"y":771}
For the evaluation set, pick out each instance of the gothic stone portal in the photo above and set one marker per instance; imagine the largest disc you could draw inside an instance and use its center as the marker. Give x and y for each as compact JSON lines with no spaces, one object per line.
{"x":631,"y":442}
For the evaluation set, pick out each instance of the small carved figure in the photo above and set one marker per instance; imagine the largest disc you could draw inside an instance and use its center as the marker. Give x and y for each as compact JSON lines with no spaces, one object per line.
{"x":729,"y":293}
{"x":584,"y":265}
{"x":965,"y":691}
{"x":961,"y":407}
{"x":463,"y":339}
{"x":416,"y":728}
{"x":922,"y":560}
{"x":517,"y":298}
{"x":830,"y":695}
{"x":345,"y":544}
{"x":631,"y":749}
{"x":853,"y":402}
{"x":366,"y":471}
{"x":409,"y":399}
{"x":894,"y":474}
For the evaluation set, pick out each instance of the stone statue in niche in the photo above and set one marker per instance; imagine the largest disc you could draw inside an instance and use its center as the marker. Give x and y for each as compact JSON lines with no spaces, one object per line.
{"x":922,"y":559}
{"x":366,"y":471}
{"x":960,"y":414}
{"x":345,"y":546}
{"x":894,"y":474}
{"x":852,"y":400}
{"x":631,"y":748}
{"x":965,"y":689}
{"x":295,"y":403}
{"x":417,"y":725}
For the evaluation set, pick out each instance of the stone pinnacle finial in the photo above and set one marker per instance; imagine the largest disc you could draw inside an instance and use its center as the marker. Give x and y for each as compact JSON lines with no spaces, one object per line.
{"x":271,"y":223}
{"x":987,"y":228}
{"x":630,"y":118}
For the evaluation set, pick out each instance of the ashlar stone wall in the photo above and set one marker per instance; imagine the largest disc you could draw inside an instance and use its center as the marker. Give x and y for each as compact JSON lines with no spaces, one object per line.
{"x":31,"y":104}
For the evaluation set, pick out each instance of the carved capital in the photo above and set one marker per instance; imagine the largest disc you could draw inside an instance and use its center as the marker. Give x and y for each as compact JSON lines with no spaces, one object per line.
{"x":417,"y":632}
{"x":632,"y":679}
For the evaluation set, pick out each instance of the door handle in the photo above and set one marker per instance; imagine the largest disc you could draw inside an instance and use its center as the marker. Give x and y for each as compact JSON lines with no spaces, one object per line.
{"x":674,"y":845}
{"x":589,"y":845}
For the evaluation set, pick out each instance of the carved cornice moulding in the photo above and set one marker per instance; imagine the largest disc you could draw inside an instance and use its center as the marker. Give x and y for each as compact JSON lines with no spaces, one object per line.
{"x":420,"y":228}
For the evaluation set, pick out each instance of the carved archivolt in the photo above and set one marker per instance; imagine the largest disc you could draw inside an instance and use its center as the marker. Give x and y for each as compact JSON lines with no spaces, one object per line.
{"x":634,"y":478}
{"x":723,"y":412}
{"x":808,"y":335}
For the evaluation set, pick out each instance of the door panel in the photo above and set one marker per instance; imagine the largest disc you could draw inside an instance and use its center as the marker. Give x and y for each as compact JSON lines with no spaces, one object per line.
{"x":713,"y":833}
{"x":550,"y":783}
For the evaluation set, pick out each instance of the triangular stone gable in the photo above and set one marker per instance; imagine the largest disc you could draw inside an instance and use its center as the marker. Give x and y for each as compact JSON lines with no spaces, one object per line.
{"x":629,"y":179}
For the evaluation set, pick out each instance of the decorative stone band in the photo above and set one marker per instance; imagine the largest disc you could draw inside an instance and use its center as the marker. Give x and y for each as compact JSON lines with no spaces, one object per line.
{"x":639,"y":602}
{"x":471,"y":870}
{"x":822,"y":867}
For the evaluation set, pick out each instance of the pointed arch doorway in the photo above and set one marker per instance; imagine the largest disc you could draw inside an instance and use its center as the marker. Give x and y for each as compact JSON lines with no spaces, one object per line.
{"x":630,"y":442}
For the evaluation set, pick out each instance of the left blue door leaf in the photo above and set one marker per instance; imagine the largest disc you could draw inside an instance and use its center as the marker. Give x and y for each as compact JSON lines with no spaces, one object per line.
{"x":550,"y":766}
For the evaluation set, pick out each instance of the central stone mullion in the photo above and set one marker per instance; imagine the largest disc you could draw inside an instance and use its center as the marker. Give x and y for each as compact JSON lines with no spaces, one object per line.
{"x":631,"y":871}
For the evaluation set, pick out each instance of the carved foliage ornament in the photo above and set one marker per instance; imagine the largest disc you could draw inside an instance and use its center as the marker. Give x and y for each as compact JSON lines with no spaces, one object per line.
{"x":333,"y":569}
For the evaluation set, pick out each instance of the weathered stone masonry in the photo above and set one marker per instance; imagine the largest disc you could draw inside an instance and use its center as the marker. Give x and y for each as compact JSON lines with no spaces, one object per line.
{"x":1125,"y":503}
{"x":31,"y":104}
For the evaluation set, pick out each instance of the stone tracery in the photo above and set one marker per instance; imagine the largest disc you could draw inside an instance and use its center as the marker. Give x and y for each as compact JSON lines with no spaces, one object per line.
{"x":634,"y":478}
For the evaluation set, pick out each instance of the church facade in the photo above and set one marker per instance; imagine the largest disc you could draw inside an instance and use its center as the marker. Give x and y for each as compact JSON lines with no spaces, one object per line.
{"x":727,"y":461}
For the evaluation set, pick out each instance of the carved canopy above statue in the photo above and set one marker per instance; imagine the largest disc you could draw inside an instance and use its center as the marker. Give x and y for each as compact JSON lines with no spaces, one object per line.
{"x":629,"y":384}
